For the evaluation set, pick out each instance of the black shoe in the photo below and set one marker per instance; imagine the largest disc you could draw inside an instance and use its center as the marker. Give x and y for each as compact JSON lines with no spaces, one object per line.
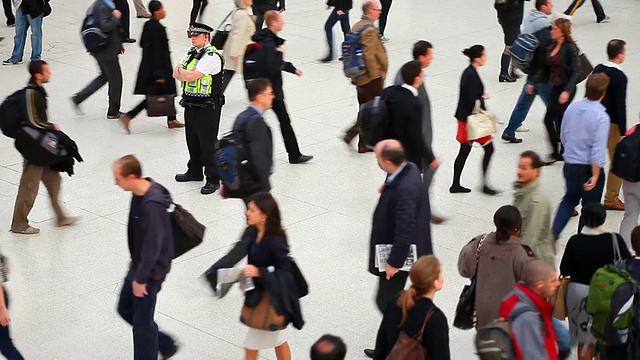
{"x":11,"y":22}
{"x":329,"y":58}
{"x":552,"y":159}
{"x":506,"y":78}
{"x":370,"y":353}
{"x":115,"y":115}
{"x":489,"y":191}
{"x":459,"y":189}
{"x":511,"y":139}
{"x":188,"y":177}
{"x":300,"y":159}
{"x":514,"y":75}
{"x":209,"y":188}
{"x":129,"y":40}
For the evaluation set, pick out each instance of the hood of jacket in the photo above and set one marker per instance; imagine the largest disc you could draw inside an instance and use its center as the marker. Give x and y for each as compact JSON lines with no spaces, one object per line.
{"x":266,"y":34}
{"x":520,"y":192}
{"x":158,"y":193}
{"x":536,"y":21}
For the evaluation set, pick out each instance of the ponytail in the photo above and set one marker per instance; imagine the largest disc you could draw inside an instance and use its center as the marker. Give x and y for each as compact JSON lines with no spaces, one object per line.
{"x":407,"y":301}
{"x":502,"y":235}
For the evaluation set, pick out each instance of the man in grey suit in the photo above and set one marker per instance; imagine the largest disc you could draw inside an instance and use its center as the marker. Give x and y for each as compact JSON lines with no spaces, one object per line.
{"x":423,"y":52}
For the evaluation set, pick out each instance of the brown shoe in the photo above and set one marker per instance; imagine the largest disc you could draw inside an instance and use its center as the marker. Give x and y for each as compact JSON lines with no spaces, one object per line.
{"x":30,"y":230}
{"x":364,"y":149}
{"x":574,"y":213}
{"x":618,"y":206}
{"x":69,"y":220}
{"x":437,"y":219}
{"x":174,"y":124}
{"x":125,"y":119}
{"x":143,"y":16}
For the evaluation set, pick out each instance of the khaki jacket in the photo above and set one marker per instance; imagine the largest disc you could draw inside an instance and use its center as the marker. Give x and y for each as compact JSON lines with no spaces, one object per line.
{"x":535,"y":209}
{"x":242,"y":28}
{"x":375,"y":55}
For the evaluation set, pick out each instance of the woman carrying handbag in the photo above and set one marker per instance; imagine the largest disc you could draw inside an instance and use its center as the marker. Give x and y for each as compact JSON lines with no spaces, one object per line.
{"x":242,"y":28}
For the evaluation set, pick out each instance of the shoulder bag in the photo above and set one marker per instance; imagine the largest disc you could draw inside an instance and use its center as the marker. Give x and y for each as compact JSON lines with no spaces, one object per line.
{"x":410,"y":348}
{"x":263,"y":316}
{"x":585,"y":68}
{"x":221,"y":34}
{"x":466,"y":308}
{"x":559,"y":298}
{"x":480,"y":123}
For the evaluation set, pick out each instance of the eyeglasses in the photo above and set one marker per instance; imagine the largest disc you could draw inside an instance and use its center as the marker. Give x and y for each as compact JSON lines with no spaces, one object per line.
{"x":377,"y":10}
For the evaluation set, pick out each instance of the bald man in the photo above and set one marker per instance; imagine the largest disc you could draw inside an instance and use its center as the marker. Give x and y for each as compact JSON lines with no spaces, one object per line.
{"x":534,"y":334}
{"x":402,"y":217}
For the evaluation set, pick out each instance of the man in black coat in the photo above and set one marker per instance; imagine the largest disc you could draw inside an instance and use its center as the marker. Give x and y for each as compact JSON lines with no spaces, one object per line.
{"x":155,"y":76}
{"x":402,"y":218}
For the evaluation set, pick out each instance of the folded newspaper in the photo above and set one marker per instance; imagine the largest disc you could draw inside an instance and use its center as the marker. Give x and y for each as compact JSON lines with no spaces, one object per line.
{"x":382,"y":255}
{"x":229,"y":276}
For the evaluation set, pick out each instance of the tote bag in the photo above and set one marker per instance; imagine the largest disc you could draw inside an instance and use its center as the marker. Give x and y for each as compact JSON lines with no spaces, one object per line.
{"x":480,"y":123}
{"x":558,"y":299}
{"x":466,"y":309}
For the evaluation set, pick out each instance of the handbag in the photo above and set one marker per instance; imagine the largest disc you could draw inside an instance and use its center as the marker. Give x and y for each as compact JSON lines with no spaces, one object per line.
{"x":187,"y":231}
{"x":160,"y":105}
{"x":585,"y":68}
{"x":301,"y":282}
{"x":220,"y":35}
{"x":263,"y":316}
{"x":480,"y":123}
{"x":559,"y":298}
{"x":410,"y":348}
{"x":466,"y":309}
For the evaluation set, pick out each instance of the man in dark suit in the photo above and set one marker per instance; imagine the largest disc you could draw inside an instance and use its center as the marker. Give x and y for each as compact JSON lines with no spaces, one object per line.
{"x":155,"y":72}
{"x":402,"y":217}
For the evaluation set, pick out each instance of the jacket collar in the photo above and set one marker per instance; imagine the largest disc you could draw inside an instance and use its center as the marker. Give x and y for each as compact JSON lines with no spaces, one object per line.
{"x":32,"y":85}
{"x":522,"y":190}
{"x":612,"y":65}
{"x":413,"y":90}
{"x":395,"y":177}
{"x":544,"y":307}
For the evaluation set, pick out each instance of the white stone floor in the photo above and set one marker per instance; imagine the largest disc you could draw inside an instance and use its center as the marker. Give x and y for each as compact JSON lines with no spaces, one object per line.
{"x":65,"y":281}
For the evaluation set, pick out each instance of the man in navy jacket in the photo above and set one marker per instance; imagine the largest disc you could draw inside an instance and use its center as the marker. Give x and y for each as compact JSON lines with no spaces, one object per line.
{"x":402,"y":217}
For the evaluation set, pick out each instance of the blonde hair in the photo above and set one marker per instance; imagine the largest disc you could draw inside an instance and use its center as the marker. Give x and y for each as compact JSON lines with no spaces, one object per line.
{"x":423,"y":274}
{"x":565,"y":26}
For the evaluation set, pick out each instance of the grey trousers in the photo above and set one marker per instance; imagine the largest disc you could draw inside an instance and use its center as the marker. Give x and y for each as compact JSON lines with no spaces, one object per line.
{"x":111,"y":73}
{"x":631,"y":193}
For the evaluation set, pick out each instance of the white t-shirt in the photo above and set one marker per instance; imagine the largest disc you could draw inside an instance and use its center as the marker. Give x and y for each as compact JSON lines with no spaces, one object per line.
{"x":207,"y":65}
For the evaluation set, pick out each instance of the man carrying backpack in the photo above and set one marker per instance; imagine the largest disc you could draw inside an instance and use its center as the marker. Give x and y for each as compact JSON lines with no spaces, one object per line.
{"x":537,"y":23}
{"x":370,"y":84}
{"x":532,"y":330}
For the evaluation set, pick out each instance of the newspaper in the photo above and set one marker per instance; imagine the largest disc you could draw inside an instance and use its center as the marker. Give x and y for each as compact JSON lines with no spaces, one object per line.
{"x":382,"y":254}
{"x":229,"y":276}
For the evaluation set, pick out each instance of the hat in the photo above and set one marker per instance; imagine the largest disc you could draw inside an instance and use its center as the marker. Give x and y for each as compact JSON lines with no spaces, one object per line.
{"x":197,"y":29}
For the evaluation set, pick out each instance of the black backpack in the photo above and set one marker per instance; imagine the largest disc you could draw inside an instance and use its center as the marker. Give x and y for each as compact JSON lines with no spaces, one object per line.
{"x":93,"y":38}
{"x":234,"y":165}
{"x":12,"y":116}
{"x":374,"y":121}
{"x":626,"y":159}
{"x":255,"y":62}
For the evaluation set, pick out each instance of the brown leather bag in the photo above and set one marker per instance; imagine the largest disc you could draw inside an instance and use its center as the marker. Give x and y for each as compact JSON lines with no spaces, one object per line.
{"x":160,"y":105}
{"x":263,"y":316}
{"x":559,"y":298}
{"x":408,"y":348}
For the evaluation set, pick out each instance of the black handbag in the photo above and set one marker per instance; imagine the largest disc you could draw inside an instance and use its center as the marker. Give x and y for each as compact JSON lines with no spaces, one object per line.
{"x":301,"y":282}
{"x":585,"y":68}
{"x":187,"y":231}
{"x":160,"y":105}
{"x":221,"y":34}
{"x":465,"y":318}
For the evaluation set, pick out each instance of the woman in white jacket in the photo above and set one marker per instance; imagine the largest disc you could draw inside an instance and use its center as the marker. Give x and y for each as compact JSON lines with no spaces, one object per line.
{"x":242,"y":28}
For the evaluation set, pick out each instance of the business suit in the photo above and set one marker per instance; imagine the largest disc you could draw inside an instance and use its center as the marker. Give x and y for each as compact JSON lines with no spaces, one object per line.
{"x":259,"y":143}
{"x":402,"y":217}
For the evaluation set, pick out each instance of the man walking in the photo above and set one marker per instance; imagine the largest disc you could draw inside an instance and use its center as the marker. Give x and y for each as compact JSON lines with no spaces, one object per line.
{"x":125,"y":20}
{"x":35,"y":106}
{"x":272,"y":47}
{"x":615,"y":101}
{"x":597,"y":8}
{"x":107,"y":58}
{"x":150,"y":241}
{"x":537,"y":23}
{"x":29,"y":14}
{"x":401,"y":219}
{"x":510,"y":13}
{"x":423,"y":52}
{"x":370,"y":84}
{"x":535,"y":207}
{"x":584,"y":134}
{"x":200,"y":72}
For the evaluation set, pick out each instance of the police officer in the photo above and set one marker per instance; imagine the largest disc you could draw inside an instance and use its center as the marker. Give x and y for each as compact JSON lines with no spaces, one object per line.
{"x":200,"y":73}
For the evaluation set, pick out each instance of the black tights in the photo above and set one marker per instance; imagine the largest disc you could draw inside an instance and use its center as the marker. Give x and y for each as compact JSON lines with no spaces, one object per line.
{"x":461,"y":159}
{"x":197,"y":9}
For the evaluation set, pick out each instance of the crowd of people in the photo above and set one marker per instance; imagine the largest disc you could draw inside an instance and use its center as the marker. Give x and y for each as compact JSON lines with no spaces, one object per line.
{"x":513,"y":268}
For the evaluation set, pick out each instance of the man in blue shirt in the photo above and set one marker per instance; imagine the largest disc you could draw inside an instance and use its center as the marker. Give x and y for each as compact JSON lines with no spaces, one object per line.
{"x":584,"y":134}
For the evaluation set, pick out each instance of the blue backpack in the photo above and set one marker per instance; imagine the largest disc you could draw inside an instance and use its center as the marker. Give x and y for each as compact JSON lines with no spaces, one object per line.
{"x":93,"y":38}
{"x":234,"y":165}
{"x":352,"y":57}
{"x":523,"y":50}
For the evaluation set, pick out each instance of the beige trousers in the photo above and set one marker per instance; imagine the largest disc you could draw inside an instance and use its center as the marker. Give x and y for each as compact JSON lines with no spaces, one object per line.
{"x":614,"y":183}
{"x":140,"y":8}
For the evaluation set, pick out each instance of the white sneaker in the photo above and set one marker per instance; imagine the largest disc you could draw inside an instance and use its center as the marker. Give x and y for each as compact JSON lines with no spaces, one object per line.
{"x":384,"y":39}
{"x":522,"y":129}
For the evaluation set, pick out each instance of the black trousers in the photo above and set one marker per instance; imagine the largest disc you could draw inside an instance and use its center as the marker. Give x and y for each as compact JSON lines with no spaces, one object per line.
{"x":382,"y":22}
{"x":125,"y":24}
{"x":289,"y":137}
{"x":110,"y":72}
{"x":197,"y":9}
{"x":201,"y":130}
{"x":553,"y":119}
{"x":8,"y":11}
{"x":389,"y":290}
{"x":597,"y":8}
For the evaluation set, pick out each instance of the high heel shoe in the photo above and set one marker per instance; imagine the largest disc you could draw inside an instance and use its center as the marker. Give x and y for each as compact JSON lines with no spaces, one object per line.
{"x":506,"y":78}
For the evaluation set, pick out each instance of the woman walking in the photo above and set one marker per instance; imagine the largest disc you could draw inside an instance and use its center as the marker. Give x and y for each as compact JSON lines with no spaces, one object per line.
{"x":340,"y":13}
{"x":242,"y":28}
{"x":471,"y":91}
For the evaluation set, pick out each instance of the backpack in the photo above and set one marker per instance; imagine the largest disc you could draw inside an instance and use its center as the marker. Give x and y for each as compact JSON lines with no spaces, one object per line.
{"x":255,"y":62}
{"x":12,"y":117}
{"x":93,"y":38}
{"x":523,"y":50}
{"x":494,"y":341}
{"x":626,"y":159}
{"x":352,"y":57}
{"x":234,"y":166}
{"x":187,"y":231}
{"x":374,"y":121}
{"x":612,"y":304}
{"x":409,"y":348}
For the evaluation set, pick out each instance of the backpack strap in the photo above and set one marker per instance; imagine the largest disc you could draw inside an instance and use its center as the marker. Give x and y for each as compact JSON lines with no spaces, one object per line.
{"x":363,"y":27}
{"x":424,"y":324}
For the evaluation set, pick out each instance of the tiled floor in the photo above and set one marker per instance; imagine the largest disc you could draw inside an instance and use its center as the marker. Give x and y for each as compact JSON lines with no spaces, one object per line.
{"x":65,"y":281}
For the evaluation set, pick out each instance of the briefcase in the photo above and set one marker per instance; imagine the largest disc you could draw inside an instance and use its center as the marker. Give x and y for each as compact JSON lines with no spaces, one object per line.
{"x":161,"y":105}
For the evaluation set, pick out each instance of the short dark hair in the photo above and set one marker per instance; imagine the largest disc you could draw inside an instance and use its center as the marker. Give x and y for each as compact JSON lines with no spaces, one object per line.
{"x":410,"y":71}
{"x":256,"y":87}
{"x":329,"y":347}
{"x":594,"y":215}
{"x":396,"y":155}
{"x":635,"y":240}
{"x":36,"y":67}
{"x":597,"y":85}
{"x":541,"y":3}
{"x":154,"y":5}
{"x":615,"y":47}
{"x":536,"y":161}
{"x":421,"y":48}
{"x":130,"y":165}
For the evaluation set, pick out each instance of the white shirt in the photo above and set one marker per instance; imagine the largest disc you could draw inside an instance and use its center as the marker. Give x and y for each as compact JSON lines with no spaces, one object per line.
{"x":207,"y":65}
{"x":612,"y":64}
{"x":392,"y":177}
{"x":413,"y":90}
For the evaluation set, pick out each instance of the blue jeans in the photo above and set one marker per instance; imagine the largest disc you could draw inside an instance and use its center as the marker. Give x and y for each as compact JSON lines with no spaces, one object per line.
{"x":524,"y":104}
{"x":331,"y":21}
{"x":575,"y":176}
{"x":23,"y":22}
{"x":563,"y":337}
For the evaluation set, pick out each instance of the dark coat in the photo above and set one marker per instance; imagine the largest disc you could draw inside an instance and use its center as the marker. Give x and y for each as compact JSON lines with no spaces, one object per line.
{"x":471,"y":89}
{"x":266,"y":5}
{"x":110,"y":25}
{"x":156,"y":61}
{"x":570,"y":58}
{"x":258,"y":140}
{"x":402,"y":218}
{"x":274,"y":59}
{"x":405,"y":112}
{"x":33,"y":8}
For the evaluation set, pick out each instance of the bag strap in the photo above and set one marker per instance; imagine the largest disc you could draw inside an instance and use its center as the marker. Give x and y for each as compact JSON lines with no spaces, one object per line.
{"x":478,"y":253}
{"x":424,"y":324}
{"x":616,"y":248}
{"x":476,"y":107}
{"x":224,"y":20}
